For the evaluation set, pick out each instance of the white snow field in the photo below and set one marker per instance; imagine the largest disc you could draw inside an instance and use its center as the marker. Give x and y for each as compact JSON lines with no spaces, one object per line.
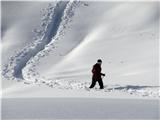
{"x":49,"y":48}
{"x":78,"y":109}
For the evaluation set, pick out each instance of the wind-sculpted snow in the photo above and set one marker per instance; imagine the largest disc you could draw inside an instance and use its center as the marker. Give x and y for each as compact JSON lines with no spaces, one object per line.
{"x":54,"y":22}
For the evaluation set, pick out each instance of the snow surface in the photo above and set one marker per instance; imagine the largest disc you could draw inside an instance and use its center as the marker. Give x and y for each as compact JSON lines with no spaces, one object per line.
{"x":49,"y":48}
{"x":70,"y":38}
{"x":79,"y":109}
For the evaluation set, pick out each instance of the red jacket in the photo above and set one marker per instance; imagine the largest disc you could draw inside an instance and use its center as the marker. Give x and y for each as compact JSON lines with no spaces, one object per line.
{"x":96,"y":70}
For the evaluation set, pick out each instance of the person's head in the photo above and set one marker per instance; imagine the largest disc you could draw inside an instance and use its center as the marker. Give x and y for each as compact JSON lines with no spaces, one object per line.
{"x":99,"y":61}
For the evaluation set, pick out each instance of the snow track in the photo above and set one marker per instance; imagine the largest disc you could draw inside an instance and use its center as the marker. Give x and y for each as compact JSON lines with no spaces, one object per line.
{"x":142,"y":91}
{"x":28,"y":72}
{"x":53,"y":26}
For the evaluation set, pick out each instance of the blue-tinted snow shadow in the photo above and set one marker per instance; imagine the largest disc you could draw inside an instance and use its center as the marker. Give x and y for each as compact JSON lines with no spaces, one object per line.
{"x":134,"y":87}
{"x":131,"y":87}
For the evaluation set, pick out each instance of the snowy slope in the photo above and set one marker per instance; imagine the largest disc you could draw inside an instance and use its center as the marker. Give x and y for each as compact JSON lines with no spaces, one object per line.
{"x":16,"y":30}
{"x":73,"y":35}
{"x":128,"y":44}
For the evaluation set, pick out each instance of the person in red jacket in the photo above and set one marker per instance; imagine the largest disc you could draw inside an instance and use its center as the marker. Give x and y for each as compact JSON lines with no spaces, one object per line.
{"x":96,"y":77}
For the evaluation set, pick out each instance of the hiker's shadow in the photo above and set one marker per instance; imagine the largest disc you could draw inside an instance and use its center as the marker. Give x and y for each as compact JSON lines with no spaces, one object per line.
{"x":128,"y":87}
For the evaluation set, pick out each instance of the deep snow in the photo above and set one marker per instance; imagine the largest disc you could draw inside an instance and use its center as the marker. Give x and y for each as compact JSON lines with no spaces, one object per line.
{"x":52,"y":68}
{"x":66,"y":46}
{"x":46,"y":73}
{"x":128,"y":45}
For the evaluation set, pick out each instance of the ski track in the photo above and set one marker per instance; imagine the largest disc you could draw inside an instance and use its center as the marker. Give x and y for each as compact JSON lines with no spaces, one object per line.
{"x":55,"y":21}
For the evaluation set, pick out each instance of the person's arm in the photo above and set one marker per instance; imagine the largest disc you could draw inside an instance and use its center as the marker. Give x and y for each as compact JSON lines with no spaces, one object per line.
{"x":93,"y":70}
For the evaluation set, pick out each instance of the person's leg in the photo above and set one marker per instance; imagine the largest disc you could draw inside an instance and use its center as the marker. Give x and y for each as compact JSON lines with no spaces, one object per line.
{"x":93,"y":83}
{"x":100,"y":83}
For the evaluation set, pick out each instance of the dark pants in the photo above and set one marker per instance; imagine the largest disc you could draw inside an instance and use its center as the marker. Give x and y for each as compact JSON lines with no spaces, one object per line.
{"x":94,"y":83}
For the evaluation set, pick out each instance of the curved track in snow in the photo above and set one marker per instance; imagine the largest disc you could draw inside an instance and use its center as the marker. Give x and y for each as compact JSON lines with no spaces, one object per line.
{"x":54,"y":24}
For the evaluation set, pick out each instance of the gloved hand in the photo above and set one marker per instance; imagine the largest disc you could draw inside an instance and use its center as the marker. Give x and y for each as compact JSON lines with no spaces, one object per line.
{"x":103,"y":74}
